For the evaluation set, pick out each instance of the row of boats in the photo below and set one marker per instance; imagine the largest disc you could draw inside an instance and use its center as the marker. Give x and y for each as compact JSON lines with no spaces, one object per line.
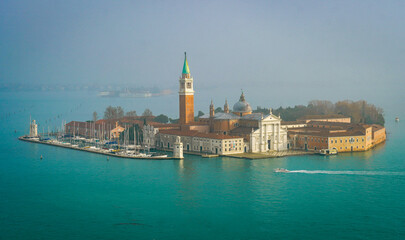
{"x":129,"y":151}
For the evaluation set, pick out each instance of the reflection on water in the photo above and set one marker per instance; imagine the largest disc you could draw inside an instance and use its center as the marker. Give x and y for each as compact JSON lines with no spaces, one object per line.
{"x":212,"y":196}
{"x":371,"y":173}
{"x":188,"y":183}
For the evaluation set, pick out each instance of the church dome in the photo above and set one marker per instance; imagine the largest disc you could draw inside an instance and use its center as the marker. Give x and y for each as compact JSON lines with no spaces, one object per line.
{"x":242,"y":106}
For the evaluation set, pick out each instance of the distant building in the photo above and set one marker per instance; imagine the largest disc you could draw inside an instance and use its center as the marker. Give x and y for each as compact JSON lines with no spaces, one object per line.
{"x":293,"y":124}
{"x":344,"y":137}
{"x":103,"y":129}
{"x":33,"y":129}
{"x":325,"y":118}
{"x":151,"y":130}
{"x":261,"y":132}
{"x":194,"y":141}
{"x":178,"y":148}
{"x":115,"y":133}
{"x":379,"y":134}
{"x":258,"y":132}
{"x":99,"y":130}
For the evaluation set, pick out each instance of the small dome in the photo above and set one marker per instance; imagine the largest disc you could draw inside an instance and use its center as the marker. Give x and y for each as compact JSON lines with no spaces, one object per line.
{"x":242,"y":106}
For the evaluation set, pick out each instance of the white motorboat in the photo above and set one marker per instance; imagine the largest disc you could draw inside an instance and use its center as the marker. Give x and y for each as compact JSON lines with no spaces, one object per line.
{"x":281,"y":170}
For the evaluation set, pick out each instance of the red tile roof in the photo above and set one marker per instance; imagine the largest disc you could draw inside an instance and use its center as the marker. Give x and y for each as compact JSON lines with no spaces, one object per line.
{"x":322,"y":116}
{"x":328,"y":133}
{"x":292,"y":122}
{"x":376,"y":127}
{"x":192,"y":133}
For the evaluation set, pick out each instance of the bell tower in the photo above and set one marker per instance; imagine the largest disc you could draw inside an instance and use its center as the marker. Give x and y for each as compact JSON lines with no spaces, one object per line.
{"x":186,"y":95}
{"x":226,"y":106}
{"x":212,"y":110}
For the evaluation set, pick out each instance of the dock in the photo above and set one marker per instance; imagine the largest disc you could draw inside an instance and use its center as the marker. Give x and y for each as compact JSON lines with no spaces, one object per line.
{"x":271,"y":154}
{"x":251,"y":156}
{"x":210,"y":155}
{"x":97,"y":151}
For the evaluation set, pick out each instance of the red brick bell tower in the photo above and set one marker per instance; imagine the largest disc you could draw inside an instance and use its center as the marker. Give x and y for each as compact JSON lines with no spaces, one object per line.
{"x":186,"y":95}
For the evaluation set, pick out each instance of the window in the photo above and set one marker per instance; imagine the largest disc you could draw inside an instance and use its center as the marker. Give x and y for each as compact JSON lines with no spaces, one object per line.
{"x":341,"y":140}
{"x":189,"y":85}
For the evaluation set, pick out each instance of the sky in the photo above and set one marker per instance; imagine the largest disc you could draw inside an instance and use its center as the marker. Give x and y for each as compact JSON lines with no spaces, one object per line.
{"x":315,"y":49}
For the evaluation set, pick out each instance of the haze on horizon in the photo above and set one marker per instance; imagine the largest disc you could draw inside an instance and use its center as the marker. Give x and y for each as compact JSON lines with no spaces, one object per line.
{"x":282,"y":48}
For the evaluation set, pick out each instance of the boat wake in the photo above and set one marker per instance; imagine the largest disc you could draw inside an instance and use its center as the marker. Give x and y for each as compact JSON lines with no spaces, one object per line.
{"x":349,"y":172}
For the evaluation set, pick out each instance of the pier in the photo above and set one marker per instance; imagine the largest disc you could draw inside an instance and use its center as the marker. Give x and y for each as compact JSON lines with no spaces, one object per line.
{"x":93,"y":150}
{"x":272,"y":154}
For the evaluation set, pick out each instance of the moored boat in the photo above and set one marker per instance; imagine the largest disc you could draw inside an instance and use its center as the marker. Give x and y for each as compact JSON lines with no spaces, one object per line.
{"x":332,"y":151}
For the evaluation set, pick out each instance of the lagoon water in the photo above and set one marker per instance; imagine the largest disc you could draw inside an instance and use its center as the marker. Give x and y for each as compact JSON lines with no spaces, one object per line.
{"x":77,"y":195}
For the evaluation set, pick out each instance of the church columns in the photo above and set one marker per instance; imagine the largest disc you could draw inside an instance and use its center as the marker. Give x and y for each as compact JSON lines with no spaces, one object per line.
{"x":261,"y":138}
{"x":273,"y":139}
{"x":278,"y":143}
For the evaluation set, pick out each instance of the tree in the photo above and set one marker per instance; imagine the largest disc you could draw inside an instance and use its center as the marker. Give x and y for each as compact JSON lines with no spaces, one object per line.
{"x":131,"y":114}
{"x":359,"y":112}
{"x":94,"y":116}
{"x":171,"y":120}
{"x":147,"y":113}
{"x":109,"y":113}
{"x":218,"y":110}
{"x":161,"y":119}
{"x":113,"y":112}
{"x":322,"y":106}
{"x":200,"y":113}
{"x":120,"y":112}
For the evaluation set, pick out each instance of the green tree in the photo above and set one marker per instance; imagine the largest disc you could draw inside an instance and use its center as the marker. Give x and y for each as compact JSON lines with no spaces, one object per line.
{"x":147,"y":113}
{"x":218,"y":110}
{"x":113,"y":112}
{"x":120,"y":112}
{"x":200,"y":113}
{"x":131,"y":114}
{"x":359,"y":112}
{"x":171,"y":120}
{"x":161,"y":118}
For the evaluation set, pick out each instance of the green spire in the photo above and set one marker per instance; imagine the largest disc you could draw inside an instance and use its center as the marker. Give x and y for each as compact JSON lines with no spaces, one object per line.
{"x":186,"y":70}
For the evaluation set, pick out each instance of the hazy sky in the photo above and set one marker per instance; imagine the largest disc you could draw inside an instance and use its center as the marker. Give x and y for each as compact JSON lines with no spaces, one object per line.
{"x":267,"y":45}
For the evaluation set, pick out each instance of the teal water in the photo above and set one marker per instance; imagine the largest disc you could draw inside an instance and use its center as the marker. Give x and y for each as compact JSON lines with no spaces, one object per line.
{"x":76,"y":195}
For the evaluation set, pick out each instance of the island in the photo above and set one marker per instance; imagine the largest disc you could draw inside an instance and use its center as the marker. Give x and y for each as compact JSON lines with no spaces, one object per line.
{"x":319,"y":128}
